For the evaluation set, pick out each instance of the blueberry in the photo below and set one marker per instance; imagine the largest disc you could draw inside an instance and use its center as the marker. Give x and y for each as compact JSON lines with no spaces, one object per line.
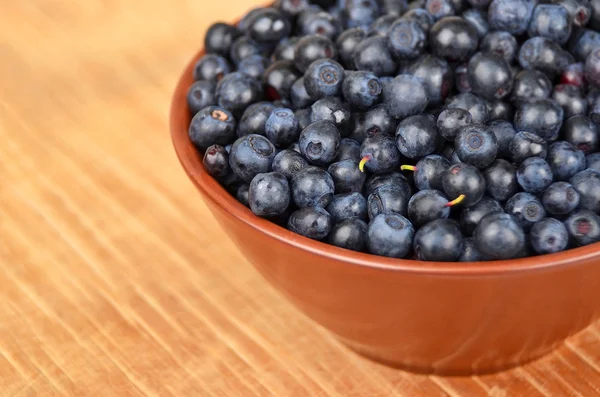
{"x":349,"y":150}
{"x":426,"y":206}
{"x":253,"y":66}
{"x":319,"y":22}
{"x":312,"y":186}
{"x":565,"y":159}
{"x":477,"y":18}
{"x":499,"y":110}
{"x":216,"y":161}
{"x":429,"y":172}
{"x":382,"y":25}
{"x":291,"y":8}
{"x":595,"y":111}
{"x":347,"y":177}
{"x":288,"y":162}
{"x":219,"y":38}
{"x":583,"y":227}
{"x":390,"y":235}
{"x":243,"y":194}
{"x":526,"y":208}
{"x":592,"y":67}
{"x":436,"y":75}
{"x":579,"y":11}
{"x":299,"y":96}
{"x":237,"y":91}
{"x":560,"y":198}
{"x":582,"y":133}
{"x":583,"y":42}
{"x":570,"y":99}
{"x":269,"y":194}
{"x":244,"y":47}
{"x":375,"y":181}
{"x":439,"y":241}
{"x":501,"y":43}
{"x":534,"y":175}
{"x":549,"y":236}
{"x":350,"y":234}
{"x":323,"y":78}
{"x":593,"y":161}
{"x":374,"y":55}
{"x":542,"y":117}
{"x":461,"y":81}
{"x":405,"y":96}
{"x":525,"y":145}
{"x":347,"y":205}
{"x":476,"y":144}
{"x":335,"y":111}
{"x":388,"y":199}
{"x":573,"y":75}
{"x":313,"y":48}
{"x":464,"y":179}
{"x":470,"y":253}
{"x":268,"y":25}
{"x":471,"y":103}
{"x":587,"y":184}
{"x":489,"y":76}
{"x":377,"y":120}
{"x":360,"y":13}
{"x":380,"y":154}
{"x":471,"y":216}
{"x":440,"y":8}
{"x":362,"y":90}
{"x":501,"y":180}
{"x":407,"y":39}
{"x":251,"y":155}
{"x":254,"y":119}
{"x":211,"y":67}
{"x":551,"y":21}
{"x":417,"y":136}
{"x":545,"y":55}
{"x":279,"y":78}
{"x":200,"y":95}
{"x":346,"y":44}
{"x":453,"y":38}
{"x":512,"y":16}
{"x":286,"y":49}
{"x":282,"y":127}
{"x":395,"y":7}
{"x":499,"y":236}
{"x":421,"y":16}
{"x":530,"y":84}
{"x":450,"y":121}
{"x":319,"y":142}
{"x":212,"y":125}
{"x":311,"y":222}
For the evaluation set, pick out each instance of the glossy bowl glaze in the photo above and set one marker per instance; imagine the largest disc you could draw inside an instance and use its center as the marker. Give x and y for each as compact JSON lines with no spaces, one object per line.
{"x":445,"y":318}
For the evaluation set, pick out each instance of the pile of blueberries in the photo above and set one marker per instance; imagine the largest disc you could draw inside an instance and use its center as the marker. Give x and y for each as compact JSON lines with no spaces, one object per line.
{"x":438,"y":130}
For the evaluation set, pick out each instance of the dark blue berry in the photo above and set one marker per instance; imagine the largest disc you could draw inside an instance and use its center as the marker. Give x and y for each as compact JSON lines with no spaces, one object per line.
{"x":288,"y":162}
{"x":551,"y":21}
{"x":526,"y":208}
{"x":298,"y":95}
{"x":347,"y":177}
{"x":312,"y":187}
{"x":579,"y":11}
{"x":335,"y":111}
{"x":236,"y":92}
{"x":323,"y":78}
{"x":501,"y":180}
{"x":253,"y":66}
{"x":593,"y":161}
{"x":531,"y":84}
{"x":453,"y":38}
{"x":269,"y":194}
{"x":478,"y":19}
{"x":268,"y":26}
{"x":439,"y":241}
{"x":582,"y":133}
{"x":382,"y":25}
{"x":286,"y":49}
{"x":390,"y":235}
{"x":499,"y":236}
{"x":512,"y":16}
{"x":489,"y":76}
{"x":545,"y":55}
{"x":534,"y":175}
{"x":440,"y":8}
{"x":313,"y":48}
{"x":587,"y":184}
{"x":405,"y":96}
{"x":407,"y":39}
{"x":417,"y":136}
{"x":470,"y":253}
{"x":476,"y":144}
{"x":395,"y":7}
{"x":565,"y":159}
{"x":360,"y":13}
{"x":471,"y":103}
{"x":219,"y":38}
{"x":311,"y":222}
{"x":461,"y":80}
{"x":347,"y":205}
{"x":542,"y":117}
{"x":549,"y":236}
{"x":560,"y":198}
{"x":282,"y":127}
{"x":254,"y":119}
{"x":421,"y":16}
{"x":320,"y":142}
{"x":450,"y":121}
{"x":211,"y":67}
{"x":318,"y":22}
{"x":243,"y":48}
{"x":499,"y":110}
{"x":361,"y":90}
{"x":501,"y":43}
{"x":242,"y":195}
{"x":350,"y":234}
{"x":212,"y":125}
{"x":464,"y":179}
{"x":583,"y":42}
{"x":279,"y":78}
{"x":570,"y":99}
{"x":387,"y":199}
{"x":349,"y":150}
{"x":216,"y":161}
{"x":200,"y":95}
{"x":375,"y":181}
{"x":346,"y":44}
{"x":377,"y":120}
{"x":436,"y":75}
{"x":374,"y":55}
{"x":251,"y":155}
{"x":380,"y":153}
{"x":471,"y":216}
{"x":426,"y":206}
{"x":429,"y":172}
{"x":525,"y":145}
{"x":291,"y":8}
{"x":583,"y":227}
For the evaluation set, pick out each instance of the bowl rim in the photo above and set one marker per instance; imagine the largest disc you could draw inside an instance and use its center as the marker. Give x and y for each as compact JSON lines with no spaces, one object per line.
{"x":191,"y":162}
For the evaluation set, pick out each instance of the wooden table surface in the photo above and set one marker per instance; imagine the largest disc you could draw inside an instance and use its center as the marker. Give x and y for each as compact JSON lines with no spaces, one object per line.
{"x":115,"y":279}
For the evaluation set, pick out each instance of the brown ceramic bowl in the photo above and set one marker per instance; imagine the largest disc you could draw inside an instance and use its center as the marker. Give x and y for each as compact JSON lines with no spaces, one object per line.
{"x":449,"y":318}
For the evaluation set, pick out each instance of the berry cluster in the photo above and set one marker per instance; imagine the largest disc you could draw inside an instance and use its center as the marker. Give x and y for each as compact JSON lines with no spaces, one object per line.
{"x":440,"y":130}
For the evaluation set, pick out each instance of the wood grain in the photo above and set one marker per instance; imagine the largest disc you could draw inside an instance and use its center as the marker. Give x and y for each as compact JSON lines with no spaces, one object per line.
{"x":115,"y":279}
